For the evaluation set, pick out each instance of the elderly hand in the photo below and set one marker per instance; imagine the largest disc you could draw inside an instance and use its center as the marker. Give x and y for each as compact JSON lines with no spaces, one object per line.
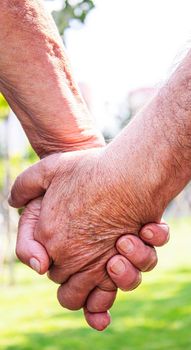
{"x":79,"y":223}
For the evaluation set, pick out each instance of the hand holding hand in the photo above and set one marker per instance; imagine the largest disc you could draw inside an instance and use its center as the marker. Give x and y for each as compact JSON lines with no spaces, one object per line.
{"x":76,"y":224}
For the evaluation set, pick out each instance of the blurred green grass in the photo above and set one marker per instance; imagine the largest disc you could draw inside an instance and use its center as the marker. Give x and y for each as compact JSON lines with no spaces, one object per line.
{"x":156,"y":316}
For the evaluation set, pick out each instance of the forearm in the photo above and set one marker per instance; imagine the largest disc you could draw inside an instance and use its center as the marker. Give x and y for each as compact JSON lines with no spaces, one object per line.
{"x":151,"y":158}
{"x":36,"y":79}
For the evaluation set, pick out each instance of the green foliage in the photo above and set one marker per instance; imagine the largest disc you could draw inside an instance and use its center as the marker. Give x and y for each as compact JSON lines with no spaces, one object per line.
{"x":157,"y":316}
{"x":17,"y":164}
{"x":4,"y":108}
{"x":30,"y":155}
{"x":72,"y":10}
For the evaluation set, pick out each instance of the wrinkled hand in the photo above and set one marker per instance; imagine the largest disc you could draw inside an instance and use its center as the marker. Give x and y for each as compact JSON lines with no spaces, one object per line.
{"x":133,"y":251}
{"x":79,"y":235}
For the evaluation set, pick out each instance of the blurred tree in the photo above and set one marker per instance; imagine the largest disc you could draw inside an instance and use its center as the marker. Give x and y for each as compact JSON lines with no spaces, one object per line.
{"x":72,"y":10}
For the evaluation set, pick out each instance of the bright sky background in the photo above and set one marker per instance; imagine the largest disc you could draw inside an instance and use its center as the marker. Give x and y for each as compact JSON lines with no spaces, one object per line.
{"x":124,"y":45}
{"x":127,"y":44}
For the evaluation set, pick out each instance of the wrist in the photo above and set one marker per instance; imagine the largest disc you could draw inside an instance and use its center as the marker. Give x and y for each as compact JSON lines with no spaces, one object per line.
{"x":66,"y":130}
{"x":138,"y":175}
{"x":151,"y":161}
{"x":74,"y":142}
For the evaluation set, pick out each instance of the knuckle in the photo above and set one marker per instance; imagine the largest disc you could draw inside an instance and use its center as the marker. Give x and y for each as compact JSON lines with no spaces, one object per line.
{"x":66,"y":299}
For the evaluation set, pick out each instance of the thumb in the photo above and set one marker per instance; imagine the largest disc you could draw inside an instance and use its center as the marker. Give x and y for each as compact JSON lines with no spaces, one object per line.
{"x":29,"y":251}
{"x":33,"y":182}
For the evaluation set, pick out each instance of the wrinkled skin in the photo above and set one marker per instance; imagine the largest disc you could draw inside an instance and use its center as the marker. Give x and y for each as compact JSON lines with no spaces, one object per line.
{"x":135,"y":253}
{"x":89,"y":220}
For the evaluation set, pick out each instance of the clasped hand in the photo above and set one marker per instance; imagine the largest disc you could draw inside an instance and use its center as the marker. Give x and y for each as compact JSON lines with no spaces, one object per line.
{"x":75,"y":213}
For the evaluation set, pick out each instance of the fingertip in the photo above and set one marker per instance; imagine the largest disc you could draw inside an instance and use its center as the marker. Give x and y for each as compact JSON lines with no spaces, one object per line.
{"x":155,"y":234}
{"x":14,"y":203}
{"x":165,"y":228}
{"x":34,"y":255}
{"x":99,"y":321}
{"x":117,"y":265}
{"x":35,"y":265}
{"x":125,"y":245}
{"x":127,"y":277}
{"x":44,"y":265}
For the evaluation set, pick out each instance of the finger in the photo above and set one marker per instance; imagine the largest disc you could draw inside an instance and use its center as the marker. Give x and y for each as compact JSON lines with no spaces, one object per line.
{"x":155,"y":234}
{"x":32,"y":183}
{"x":73,"y":294}
{"x":100,"y":300}
{"x":142,"y":256}
{"x":98,"y":321}
{"x":29,"y":251}
{"x":123,"y":273}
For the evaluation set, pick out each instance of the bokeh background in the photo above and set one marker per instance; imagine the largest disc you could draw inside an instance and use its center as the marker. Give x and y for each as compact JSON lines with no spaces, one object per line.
{"x":121,"y":52}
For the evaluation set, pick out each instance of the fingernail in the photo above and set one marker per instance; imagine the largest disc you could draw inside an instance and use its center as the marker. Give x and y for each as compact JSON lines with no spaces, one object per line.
{"x":148,"y":234}
{"x":34,"y":263}
{"x":118,"y":267}
{"x":126,"y":245}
